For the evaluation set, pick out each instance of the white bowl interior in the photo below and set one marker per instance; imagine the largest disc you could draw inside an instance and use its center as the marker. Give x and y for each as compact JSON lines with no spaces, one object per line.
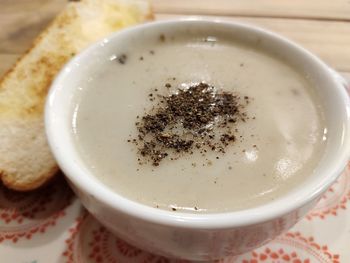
{"x":333,"y":96}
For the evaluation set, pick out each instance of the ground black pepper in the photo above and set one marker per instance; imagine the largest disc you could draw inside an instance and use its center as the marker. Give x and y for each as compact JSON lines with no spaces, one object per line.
{"x":162,"y":38}
{"x":122,"y":59}
{"x":199,"y":117}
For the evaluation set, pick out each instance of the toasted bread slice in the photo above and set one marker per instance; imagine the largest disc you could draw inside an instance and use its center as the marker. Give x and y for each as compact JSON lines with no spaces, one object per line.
{"x":25,"y":158}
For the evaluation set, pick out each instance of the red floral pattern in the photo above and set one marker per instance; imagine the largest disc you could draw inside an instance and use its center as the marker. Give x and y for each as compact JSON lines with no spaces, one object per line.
{"x":335,"y":199}
{"x":294,"y":248}
{"x":126,"y":250}
{"x":71,"y":254}
{"x":24,"y":214}
{"x":91,"y":243}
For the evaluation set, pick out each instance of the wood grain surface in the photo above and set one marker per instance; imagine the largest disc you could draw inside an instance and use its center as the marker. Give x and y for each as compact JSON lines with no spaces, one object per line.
{"x":304,"y":9}
{"x":321,"y":26}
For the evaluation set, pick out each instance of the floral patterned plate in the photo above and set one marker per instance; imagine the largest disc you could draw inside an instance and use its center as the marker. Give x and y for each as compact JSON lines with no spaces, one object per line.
{"x":51,"y":226}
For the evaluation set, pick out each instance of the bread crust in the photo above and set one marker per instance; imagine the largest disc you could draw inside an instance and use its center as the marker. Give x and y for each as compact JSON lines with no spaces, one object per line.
{"x":38,"y":181}
{"x":26,"y":161}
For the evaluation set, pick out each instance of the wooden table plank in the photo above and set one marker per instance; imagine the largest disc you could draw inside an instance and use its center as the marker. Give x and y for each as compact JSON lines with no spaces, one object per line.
{"x":306,"y":9}
{"x":329,"y":40}
{"x":25,"y":6}
{"x":22,"y":20}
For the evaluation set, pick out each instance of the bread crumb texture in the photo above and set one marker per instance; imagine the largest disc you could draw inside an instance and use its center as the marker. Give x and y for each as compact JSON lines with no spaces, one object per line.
{"x":25,"y":158}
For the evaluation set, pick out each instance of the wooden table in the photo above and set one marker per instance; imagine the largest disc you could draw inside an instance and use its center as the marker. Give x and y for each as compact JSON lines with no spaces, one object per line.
{"x":319,"y":25}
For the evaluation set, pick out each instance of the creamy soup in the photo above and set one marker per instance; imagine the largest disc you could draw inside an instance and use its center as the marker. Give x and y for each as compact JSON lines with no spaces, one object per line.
{"x":276,"y":148}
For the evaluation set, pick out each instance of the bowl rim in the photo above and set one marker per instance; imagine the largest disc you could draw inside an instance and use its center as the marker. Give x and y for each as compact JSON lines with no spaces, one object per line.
{"x":238,"y":218}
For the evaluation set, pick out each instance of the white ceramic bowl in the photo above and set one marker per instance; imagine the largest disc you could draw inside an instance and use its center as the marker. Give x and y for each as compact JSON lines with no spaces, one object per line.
{"x":197,"y":236}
